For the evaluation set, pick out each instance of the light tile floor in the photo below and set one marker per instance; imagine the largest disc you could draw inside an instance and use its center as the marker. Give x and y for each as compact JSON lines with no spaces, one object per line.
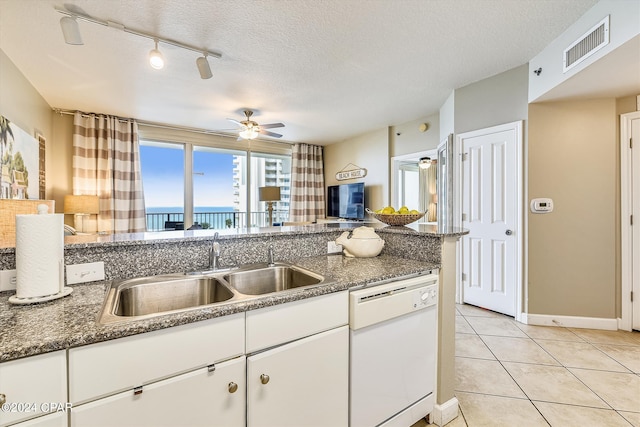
{"x":510,"y":374}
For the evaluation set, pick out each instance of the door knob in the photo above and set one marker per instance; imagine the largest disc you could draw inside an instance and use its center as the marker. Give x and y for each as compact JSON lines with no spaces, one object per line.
{"x":233,"y":387}
{"x":508,"y":232}
{"x":3,"y":399}
{"x":264,"y":378}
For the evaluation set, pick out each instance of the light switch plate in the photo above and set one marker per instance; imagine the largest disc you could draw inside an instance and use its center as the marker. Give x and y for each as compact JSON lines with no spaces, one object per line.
{"x":8,"y":280}
{"x":82,"y":273}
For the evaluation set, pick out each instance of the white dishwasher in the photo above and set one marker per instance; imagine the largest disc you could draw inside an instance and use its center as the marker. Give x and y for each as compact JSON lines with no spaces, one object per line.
{"x":393,"y":352}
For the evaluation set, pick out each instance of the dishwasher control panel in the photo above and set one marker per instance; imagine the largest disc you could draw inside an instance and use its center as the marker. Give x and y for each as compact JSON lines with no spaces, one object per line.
{"x":386,"y":301}
{"x":424,"y":297}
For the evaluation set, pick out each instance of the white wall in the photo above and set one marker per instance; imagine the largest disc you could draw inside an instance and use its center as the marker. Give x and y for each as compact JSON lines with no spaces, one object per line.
{"x":406,"y":138}
{"x":624,"y":25}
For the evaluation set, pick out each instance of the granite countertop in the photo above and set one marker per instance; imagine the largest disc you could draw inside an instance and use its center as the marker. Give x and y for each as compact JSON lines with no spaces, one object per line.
{"x":154,"y":237}
{"x":71,"y":321}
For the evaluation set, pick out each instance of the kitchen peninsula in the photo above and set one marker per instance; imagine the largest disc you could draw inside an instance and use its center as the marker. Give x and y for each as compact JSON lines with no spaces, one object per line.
{"x":71,"y":322}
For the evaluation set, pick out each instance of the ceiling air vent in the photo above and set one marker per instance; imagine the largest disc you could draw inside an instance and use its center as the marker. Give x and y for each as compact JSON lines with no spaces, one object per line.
{"x":591,"y":42}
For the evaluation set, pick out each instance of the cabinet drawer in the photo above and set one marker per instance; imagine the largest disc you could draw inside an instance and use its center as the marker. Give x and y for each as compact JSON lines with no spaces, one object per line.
{"x":58,"y":419}
{"x":279,"y":324}
{"x":112,"y":366}
{"x":30,"y":383}
{"x":197,"y":398}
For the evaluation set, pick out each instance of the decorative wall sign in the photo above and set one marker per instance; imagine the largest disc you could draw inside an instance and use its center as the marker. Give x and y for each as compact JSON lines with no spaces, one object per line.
{"x":355,"y":172}
{"x":19,"y":162}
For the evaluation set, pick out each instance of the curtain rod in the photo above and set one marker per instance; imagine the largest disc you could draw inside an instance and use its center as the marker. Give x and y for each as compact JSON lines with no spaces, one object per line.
{"x":170,"y":127}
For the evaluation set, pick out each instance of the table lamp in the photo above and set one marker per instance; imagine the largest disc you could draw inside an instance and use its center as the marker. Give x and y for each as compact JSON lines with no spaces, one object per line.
{"x":81,"y":206}
{"x":269,"y":195}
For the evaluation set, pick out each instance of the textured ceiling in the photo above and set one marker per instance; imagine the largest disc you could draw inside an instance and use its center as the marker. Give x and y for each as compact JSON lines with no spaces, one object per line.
{"x":328,"y":69}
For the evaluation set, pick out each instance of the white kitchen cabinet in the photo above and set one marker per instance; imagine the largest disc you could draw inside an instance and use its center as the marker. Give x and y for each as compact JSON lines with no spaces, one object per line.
{"x":302,"y":383}
{"x":282,"y":323}
{"x":58,"y":419}
{"x":29,"y":386}
{"x":198,"y":398}
{"x":109,"y":367}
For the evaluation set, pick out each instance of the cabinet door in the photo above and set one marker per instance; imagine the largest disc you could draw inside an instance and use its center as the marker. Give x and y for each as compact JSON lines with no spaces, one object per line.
{"x":197,"y":398}
{"x":32,"y":386}
{"x":303,"y":383}
{"x":109,"y":367}
{"x":58,"y":419}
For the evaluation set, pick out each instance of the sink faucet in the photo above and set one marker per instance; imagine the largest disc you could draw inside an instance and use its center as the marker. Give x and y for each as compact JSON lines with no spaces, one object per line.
{"x":270,"y":257}
{"x":214,"y":253}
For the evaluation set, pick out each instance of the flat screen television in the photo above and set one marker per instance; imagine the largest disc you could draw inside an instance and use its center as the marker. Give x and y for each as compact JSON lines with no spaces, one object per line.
{"x":346,"y":201}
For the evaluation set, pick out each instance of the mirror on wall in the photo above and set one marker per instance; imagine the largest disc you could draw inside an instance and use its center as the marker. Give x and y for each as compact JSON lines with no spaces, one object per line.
{"x":414,"y":183}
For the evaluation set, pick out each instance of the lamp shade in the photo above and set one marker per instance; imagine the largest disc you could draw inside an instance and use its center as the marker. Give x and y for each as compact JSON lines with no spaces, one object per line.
{"x":269,"y":194}
{"x":81,"y":204}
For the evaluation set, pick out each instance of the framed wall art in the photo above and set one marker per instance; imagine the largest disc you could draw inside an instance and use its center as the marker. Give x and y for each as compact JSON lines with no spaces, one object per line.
{"x":20,"y":176}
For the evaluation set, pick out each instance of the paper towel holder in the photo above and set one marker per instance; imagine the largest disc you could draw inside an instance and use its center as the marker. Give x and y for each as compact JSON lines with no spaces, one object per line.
{"x":81,"y":206}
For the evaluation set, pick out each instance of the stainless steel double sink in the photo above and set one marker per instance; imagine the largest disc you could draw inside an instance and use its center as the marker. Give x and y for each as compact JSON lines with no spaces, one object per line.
{"x":146,"y":297}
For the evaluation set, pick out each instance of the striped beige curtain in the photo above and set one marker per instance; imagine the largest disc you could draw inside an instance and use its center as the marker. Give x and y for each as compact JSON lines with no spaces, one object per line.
{"x":307,"y":183}
{"x":106,"y":162}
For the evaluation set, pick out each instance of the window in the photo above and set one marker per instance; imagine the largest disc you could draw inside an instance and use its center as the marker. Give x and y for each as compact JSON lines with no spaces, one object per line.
{"x":189,"y":184}
{"x":408,"y":186}
{"x":270,"y":170}
{"x":162,"y":167}
{"x":218,"y":188}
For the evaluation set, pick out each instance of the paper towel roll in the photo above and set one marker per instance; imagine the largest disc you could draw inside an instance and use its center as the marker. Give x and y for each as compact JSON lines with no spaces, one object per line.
{"x":39,"y":254}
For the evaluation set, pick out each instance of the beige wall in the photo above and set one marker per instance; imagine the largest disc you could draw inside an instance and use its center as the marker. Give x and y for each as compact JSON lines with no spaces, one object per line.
{"x":27,"y":109}
{"x":369,"y":151}
{"x":406,"y":138}
{"x":573,"y":154}
{"x":61,"y":182}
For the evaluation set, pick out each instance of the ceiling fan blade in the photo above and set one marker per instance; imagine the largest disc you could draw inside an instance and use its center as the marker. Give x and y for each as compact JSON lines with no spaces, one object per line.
{"x":235,"y":121}
{"x":272,"y":134}
{"x":272,"y":126}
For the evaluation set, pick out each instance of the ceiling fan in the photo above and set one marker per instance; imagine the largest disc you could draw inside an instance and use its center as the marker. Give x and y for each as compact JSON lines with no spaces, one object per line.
{"x":250,"y":129}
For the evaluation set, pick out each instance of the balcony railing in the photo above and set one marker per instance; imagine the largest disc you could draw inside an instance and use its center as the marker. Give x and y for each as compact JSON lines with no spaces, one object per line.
{"x":218,"y":220}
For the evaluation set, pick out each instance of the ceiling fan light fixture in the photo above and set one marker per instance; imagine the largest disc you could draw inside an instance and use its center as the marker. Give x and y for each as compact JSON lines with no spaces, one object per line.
{"x":155,"y":58}
{"x":71,"y":30}
{"x":203,"y":67}
{"x":424,"y":162}
{"x":249,"y":133}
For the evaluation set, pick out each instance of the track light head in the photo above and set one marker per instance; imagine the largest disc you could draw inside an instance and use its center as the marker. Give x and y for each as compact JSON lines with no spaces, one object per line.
{"x":70,"y":30}
{"x":203,"y":67}
{"x":155,"y":58}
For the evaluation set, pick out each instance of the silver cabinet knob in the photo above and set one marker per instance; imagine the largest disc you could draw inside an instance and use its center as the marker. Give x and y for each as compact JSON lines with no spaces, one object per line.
{"x":508,"y":232}
{"x":3,"y":399}
{"x":264,"y":378}
{"x":233,"y":387}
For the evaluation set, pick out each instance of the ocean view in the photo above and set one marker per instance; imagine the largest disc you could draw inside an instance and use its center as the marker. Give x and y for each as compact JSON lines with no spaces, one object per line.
{"x":180,"y":209}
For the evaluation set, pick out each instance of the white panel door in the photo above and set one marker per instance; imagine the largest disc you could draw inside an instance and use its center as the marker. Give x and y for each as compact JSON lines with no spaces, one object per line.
{"x":490,"y":197}
{"x":303,"y":383}
{"x":635,"y":211}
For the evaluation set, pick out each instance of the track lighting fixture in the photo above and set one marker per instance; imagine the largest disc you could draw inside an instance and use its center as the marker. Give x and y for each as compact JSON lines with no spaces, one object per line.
{"x":155,"y":58}
{"x":424,"y":162}
{"x":71,"y":32}
{"x":203,"y":67}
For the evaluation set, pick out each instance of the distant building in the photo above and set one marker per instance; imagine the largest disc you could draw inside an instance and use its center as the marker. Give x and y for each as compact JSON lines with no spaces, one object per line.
{"x":265,"y":172}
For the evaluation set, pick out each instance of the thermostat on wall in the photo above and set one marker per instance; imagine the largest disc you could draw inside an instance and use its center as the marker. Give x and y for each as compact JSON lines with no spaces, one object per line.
{"x":541,"y":205}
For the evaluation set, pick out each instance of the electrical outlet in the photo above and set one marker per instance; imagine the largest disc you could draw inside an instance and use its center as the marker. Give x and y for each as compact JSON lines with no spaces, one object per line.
{"x":333,"y":247}
{"x":8,"y":279}
{"x":82,"y":273}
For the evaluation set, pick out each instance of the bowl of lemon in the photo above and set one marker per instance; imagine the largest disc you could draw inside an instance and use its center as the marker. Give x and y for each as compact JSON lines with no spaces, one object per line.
{"x":390,"y":216}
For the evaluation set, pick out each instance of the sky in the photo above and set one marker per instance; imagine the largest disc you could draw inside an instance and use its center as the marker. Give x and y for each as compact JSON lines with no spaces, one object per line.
{"x":163,"y":172}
